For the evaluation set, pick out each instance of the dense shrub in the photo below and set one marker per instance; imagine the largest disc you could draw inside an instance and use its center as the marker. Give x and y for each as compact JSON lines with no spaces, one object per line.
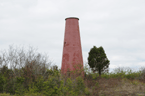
{"x":2,"y":82}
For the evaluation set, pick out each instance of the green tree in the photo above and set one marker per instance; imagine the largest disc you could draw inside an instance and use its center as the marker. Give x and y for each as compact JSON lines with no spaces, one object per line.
{"x":98,"y":60}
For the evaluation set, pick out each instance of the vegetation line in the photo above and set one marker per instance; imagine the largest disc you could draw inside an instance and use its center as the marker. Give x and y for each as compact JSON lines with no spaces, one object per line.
{"x":32,"y":74}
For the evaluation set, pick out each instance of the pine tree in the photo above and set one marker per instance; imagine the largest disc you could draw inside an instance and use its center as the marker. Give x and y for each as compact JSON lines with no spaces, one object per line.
{"x":98,"y":60}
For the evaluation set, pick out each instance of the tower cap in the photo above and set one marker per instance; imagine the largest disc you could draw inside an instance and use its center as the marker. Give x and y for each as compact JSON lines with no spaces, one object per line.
{"x":72,"y":18}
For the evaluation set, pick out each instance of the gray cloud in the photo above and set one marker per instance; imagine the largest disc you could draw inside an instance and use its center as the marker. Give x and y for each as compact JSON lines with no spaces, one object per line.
{"x":118,"y":26}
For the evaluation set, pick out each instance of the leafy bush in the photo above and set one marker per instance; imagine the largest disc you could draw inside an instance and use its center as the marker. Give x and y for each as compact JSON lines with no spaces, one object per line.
{"x":2,"y":82}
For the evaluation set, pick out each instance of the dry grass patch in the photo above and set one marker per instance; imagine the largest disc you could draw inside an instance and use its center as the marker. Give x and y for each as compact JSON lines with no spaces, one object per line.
{"x":121,"y":87}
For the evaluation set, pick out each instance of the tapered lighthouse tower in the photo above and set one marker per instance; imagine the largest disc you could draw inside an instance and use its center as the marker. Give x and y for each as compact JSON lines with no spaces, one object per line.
{"x":72,"y":52}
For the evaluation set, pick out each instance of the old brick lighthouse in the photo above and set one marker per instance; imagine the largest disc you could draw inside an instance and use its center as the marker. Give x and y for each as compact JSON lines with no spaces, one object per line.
{"x":72,"y":59}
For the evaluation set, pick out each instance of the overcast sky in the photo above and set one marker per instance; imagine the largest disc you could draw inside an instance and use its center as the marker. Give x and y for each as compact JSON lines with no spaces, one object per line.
{"x":116,"y":25}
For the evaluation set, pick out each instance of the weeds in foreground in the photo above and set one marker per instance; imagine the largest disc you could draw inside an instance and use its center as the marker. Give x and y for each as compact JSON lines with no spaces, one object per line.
{"x":57,"y":85}
{"x":30,"y":76}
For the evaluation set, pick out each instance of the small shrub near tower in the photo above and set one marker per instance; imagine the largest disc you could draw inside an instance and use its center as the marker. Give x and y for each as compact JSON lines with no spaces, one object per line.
{"x":98,"y":60}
